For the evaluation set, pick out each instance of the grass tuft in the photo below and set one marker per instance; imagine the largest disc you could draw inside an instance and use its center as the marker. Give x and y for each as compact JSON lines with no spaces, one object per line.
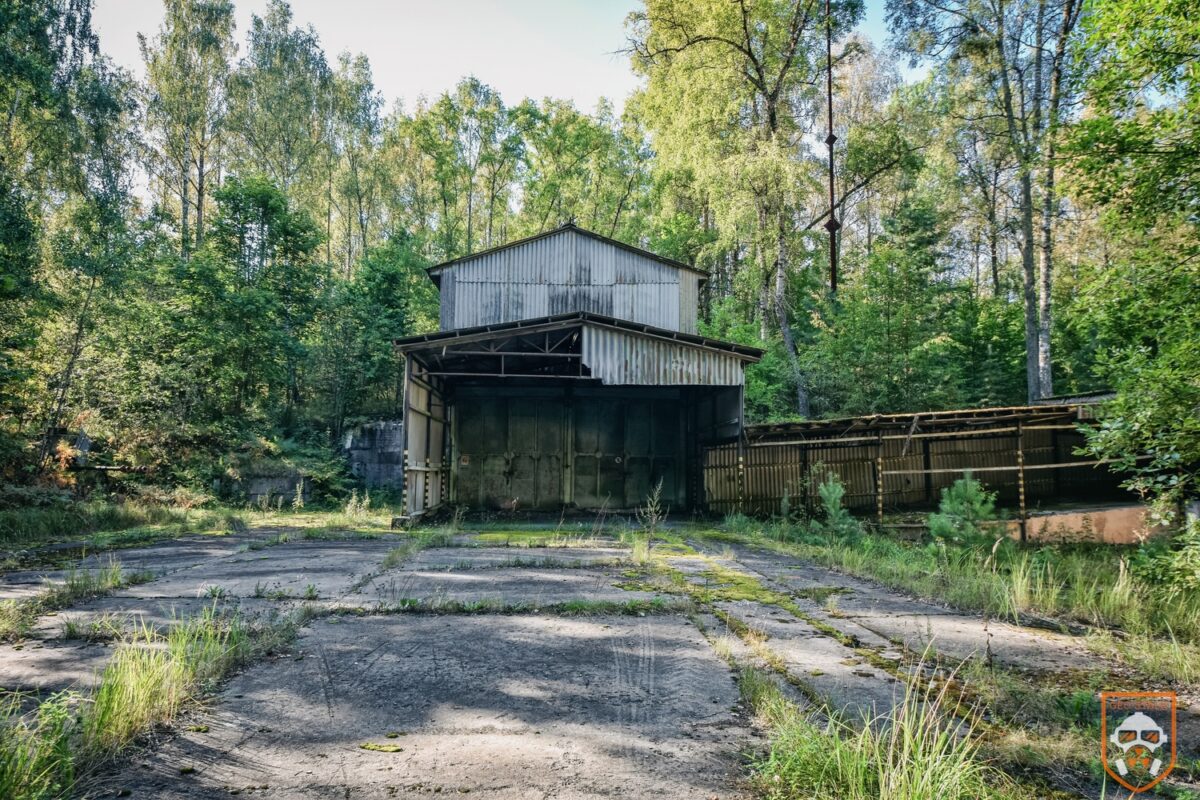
{"x":918,"y":751}
{"x":148,"y":681}
{"x":17,"y":617}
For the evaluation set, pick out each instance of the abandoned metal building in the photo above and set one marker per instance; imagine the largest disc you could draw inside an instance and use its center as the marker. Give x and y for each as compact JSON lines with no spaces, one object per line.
{"x":567,"y":373}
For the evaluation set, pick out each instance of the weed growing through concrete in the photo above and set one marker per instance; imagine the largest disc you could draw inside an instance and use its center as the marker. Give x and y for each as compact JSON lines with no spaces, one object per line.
{"x":569,"y":608}
{"x":104,"y":628}
{"x":17,"y":617}
{"x":918,"y":751}
{"x":1067,"y":585}
{"x":149,"y":680}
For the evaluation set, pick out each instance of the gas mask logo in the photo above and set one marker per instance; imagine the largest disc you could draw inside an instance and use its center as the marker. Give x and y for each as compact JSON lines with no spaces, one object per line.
{"x":1138,"y":751}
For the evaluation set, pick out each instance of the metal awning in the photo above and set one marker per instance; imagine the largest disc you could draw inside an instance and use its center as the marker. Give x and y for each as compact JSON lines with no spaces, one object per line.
{"x":581,"y":346}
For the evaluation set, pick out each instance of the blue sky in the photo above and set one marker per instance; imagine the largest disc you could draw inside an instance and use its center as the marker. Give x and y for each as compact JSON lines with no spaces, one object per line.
{"x":523,"y":48}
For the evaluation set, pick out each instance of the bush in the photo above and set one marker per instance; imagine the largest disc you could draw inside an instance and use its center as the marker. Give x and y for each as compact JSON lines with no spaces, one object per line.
{"x":836,"y":520}
{"x":1173,"y":571}
{"x":177,"y":497}
{"x":964,"y":509}
{"x":12,"y":496}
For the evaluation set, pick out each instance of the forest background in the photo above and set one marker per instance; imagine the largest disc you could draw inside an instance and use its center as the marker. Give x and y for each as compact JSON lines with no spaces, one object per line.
{"x":209,"y":262}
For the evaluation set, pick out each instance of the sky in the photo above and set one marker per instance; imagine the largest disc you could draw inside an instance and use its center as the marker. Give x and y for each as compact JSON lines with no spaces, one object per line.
{"x":522,"y":48}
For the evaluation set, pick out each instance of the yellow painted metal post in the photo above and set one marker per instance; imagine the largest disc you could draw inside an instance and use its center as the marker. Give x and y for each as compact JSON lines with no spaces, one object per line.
{"x":1021,"y":481}
{"x":879,"y":490}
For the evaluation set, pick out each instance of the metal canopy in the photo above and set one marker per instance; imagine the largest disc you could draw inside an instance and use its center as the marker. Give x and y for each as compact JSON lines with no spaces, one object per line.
{"x":557,"y":347}
{"x":558,"y":321}
{"x":946,"y":422}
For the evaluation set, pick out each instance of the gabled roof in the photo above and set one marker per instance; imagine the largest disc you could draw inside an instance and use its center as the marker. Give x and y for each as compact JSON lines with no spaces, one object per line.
{"x":436,"y":269}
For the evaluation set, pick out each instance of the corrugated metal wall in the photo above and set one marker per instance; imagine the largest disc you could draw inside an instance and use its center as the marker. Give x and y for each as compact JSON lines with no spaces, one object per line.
{"x":620,"y":358}
{"x":755,"y":477}
{"x":425,"y":469}
{"x":565,"y":272}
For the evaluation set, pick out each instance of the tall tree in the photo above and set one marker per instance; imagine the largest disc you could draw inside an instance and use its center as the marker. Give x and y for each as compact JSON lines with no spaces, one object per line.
{"x":187,"y":67}
{"x":731,"y":95}
{"x":64,"y":148}
{"x":356,"y":142}
{"x":1018,"y":51}
{"x":280,"y":100}
{"x":1137,"y":155}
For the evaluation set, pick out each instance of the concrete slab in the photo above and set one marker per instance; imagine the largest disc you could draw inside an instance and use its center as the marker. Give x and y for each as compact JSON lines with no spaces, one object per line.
{"x":491,"y":557}
{"x":494,"y":707}
{"x":919,"y":624}
{"x":507,"y":585}
{"x":51,"y":666}
{"x":160,"y":558}
{"x":848,"y":683}
{"x":333,"y":568}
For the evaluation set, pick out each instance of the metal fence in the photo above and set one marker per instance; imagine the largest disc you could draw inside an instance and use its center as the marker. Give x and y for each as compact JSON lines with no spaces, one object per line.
{"x":1027,"y":455}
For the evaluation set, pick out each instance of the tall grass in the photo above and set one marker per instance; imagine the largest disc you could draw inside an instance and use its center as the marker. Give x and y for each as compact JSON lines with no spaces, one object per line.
{"x":32,"y":525}
{"x":917,"y":751}
{"x":1092,"y":585}
{"x":148,"y":681}
{"x":17,"y":617}
{"x":36,"y":754}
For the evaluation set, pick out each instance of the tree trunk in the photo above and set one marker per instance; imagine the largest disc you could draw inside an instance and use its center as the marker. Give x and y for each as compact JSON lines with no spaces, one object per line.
{"x":1050,"y":202}
{"x":1044,"y":378}
{"x":200,"y":190}
{"x":1032,"y":342}
{"x":67,"y":376}
{"x":994,"y":233}
{"x":1019,"y":139}
{"x":782,"y":317}
{"x":185,"y":180}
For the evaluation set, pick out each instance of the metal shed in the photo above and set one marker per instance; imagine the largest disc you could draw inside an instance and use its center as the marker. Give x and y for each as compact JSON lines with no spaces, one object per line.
{"x":576,"y":409}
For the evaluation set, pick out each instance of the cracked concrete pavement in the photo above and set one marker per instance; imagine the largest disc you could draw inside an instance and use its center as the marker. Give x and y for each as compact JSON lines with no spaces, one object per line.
{"x":495,"y":705}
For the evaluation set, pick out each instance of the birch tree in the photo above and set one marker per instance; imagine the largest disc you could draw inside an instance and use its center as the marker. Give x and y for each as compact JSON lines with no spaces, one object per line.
{"x":187,"y":67}
{"x":1017,"y":51}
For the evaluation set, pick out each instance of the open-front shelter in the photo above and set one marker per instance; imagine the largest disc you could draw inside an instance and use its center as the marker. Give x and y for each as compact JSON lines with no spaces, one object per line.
{"x":578,"y":408}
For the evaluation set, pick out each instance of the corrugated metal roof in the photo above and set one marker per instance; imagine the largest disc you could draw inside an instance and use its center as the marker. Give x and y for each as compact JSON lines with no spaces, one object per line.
{"x":559,"y":321}
{"x":624,"y":358}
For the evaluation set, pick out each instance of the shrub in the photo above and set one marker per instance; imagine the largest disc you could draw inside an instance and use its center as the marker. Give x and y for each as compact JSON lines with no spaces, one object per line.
{"x":835,"y":519}
{"x":964,"y":509}
{"x":1174,"y":571}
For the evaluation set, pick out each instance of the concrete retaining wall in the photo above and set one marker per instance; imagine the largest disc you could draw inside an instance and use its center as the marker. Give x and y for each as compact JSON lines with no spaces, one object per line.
{"x":375,"y":452}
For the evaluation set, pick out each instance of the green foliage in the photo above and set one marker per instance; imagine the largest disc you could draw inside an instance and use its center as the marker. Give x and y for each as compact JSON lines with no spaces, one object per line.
{"x":964,"y":508}
{"x":150,"y":678}
{"x":1144,"y":313}
{"x":1174,"y":569}
{"x":1135,"y":157}
{"x":255,"y":294}
{"x":920,"y":750}
{"x":904,"y":337}
{"x":27,"y":524}
{"x":836,"y":521}
{"x":768,"y":395}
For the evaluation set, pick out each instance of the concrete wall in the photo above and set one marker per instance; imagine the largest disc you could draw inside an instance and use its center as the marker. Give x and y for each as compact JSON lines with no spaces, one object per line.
{"x":1126,"y":524}
{"x":375,"y":452}
{"x":273,"y":488}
